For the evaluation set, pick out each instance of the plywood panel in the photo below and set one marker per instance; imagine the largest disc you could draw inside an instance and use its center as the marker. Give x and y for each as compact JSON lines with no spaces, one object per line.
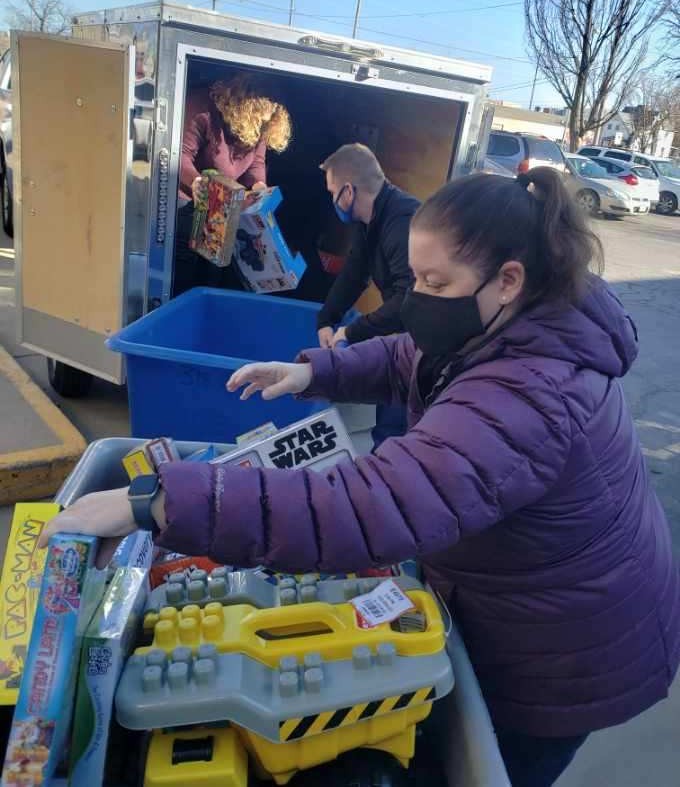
{"x":73,"y":106}
{"x":415,"y":134}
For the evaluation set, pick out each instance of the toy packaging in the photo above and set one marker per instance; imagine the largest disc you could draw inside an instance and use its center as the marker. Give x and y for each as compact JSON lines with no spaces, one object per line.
{"x":107,"y":643}
{"x":261,"y":254}
{"x":216,"y":218}
{"x":20,"y":586}
{"x":317,"y":442}
{"x":149,"y":456}
{"x":259,"y":433}
{"x":135,"y":551}
{"x":70,"y":590}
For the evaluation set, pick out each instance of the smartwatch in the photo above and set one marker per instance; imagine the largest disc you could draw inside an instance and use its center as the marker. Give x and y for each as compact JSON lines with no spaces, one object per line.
{"x":143,"y":489}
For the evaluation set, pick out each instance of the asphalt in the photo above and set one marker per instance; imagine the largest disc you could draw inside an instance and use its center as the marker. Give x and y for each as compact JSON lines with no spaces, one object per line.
{"x":643,"y":263}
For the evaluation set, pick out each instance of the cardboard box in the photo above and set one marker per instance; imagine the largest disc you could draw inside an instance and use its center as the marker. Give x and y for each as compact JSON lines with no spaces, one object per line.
{"x":69,"y":593}
{"x":264,"y":261}
{"x":108,"y":642}
{"x":317,"y":442}
{"x":19,"y":590}
{"x":216,"y":219}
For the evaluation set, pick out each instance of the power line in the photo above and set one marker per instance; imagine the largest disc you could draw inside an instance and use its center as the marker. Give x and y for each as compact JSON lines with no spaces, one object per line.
{"x":412,"y":39}
{"x":446,"y":46}
{"x":517,"y":86}
{"x":427,"y":13}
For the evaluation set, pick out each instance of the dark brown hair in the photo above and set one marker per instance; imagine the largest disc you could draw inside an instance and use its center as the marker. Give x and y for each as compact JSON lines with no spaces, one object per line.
{"x":489,"y":219}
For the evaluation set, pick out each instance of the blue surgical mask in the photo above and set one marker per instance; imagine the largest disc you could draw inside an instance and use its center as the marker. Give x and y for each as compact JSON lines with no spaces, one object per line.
{"x":345,"y":216}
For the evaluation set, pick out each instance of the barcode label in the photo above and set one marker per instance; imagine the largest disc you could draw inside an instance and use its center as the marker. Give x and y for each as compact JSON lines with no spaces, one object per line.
{"x":382,"y":605}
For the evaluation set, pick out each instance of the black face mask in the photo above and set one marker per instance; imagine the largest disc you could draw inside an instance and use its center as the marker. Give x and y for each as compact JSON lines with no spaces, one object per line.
{"x":442,"y":326}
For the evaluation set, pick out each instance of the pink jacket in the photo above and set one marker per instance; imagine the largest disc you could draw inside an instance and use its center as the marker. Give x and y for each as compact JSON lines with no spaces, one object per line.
{"x":204,"y":146}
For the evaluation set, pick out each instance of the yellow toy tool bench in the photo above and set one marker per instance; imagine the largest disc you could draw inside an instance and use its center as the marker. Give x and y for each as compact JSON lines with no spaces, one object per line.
{"x":238,"y":675}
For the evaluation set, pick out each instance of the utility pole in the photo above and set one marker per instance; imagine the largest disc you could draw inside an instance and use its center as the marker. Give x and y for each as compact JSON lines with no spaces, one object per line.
{"x":291,"y":12}
{"x":533,"y":89}
{"x":214,"y":3}
{"x":356,"y":19}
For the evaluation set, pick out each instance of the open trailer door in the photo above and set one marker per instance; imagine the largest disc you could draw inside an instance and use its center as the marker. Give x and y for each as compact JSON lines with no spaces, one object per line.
{"x":73,"y":154}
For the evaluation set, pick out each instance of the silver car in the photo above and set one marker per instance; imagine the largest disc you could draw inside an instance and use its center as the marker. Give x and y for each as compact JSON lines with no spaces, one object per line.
{"x":596,"y":191}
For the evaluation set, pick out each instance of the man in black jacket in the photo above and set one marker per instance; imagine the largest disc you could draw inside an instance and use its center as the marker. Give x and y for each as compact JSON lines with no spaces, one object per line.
{"x":382,"y":213}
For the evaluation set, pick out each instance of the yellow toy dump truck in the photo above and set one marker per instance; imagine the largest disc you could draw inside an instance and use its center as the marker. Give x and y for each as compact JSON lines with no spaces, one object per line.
{"x":243,"y":679}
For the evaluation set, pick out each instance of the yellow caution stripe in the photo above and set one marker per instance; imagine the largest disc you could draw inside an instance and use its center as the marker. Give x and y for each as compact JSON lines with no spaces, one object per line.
{"x":294,"y":729}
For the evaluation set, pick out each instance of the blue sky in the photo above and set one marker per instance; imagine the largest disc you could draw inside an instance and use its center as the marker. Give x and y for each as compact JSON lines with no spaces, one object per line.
{"x":484,"y":31}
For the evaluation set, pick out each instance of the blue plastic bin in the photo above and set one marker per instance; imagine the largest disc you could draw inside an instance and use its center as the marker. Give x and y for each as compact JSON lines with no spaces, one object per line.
{"x":180,"y":356}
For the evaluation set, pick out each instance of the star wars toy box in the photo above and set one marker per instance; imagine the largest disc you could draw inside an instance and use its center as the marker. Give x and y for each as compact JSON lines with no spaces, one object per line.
{"x":69,"y":593}
{"x":108,"y":642}
{"x":262,"y":257}
{"x":317,"y":442}
{"x":19,"y":590}
{"x":217,"y":209}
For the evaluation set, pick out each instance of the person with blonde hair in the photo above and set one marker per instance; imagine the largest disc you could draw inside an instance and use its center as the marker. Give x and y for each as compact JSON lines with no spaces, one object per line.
{"x":382,"y":213}
{"x":228,"y":126}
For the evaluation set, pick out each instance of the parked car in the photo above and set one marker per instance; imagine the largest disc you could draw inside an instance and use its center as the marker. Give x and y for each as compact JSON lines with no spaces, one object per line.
{"x":490,"y":167}
{"x":521,"y":152}
{"x":6,"y":144}
{"x":643,"y":179}
{"x":666,"y":170}
{"x":596,"y":191}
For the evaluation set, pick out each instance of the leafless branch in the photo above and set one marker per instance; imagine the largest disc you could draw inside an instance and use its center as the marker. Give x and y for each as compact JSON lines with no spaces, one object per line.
{"x":591,"y":52}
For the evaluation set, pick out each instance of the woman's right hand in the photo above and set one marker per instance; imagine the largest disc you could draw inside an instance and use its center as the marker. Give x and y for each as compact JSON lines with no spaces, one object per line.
{"x":273,"y":379}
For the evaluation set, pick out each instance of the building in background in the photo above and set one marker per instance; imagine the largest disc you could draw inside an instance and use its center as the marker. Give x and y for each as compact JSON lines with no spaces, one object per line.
{"x":511,"y":117}
{"x":627,"y":130}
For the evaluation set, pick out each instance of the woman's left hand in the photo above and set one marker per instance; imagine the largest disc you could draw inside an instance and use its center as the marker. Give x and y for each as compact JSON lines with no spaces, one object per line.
{"x":340,"y":336}
{"x":107,"y":515}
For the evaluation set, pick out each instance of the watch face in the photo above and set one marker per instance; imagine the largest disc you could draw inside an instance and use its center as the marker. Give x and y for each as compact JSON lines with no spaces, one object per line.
{"x":143,"y":486}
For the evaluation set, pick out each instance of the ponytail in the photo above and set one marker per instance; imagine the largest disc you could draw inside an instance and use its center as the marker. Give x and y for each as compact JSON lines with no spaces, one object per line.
{"x":489,"y":220}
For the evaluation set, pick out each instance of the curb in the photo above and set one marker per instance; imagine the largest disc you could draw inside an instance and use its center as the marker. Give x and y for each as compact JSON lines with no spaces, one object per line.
{"x":36,"y":473}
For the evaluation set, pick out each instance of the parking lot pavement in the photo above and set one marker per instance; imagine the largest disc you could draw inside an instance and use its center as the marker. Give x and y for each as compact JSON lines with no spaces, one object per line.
{"x":642,"y":256}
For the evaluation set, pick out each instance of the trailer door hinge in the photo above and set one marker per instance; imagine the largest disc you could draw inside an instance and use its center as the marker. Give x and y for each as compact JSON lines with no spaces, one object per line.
{"x":362,"y":72}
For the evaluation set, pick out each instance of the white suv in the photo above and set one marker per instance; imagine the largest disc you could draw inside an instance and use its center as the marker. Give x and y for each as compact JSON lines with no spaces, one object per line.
{"x":666,"y":170}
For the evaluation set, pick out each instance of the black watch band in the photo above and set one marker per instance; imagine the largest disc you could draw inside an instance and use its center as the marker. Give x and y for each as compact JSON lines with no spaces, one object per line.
{"x":141,"y":494}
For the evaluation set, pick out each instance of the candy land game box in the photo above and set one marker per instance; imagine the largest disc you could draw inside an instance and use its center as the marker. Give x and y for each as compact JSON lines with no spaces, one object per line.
{"x":70,"y":590}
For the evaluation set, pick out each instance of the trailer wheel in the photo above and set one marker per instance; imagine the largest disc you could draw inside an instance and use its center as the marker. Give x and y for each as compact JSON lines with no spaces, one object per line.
{"x":68,"y":382}
{"x":6,"y":200}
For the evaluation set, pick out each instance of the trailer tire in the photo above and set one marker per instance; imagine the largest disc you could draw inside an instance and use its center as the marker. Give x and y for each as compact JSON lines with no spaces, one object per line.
{"x":68,"y":382}
{"x":6,"y":207}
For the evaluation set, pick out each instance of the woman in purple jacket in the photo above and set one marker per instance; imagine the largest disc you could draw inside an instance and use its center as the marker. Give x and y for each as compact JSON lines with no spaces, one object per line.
{"x":520,"y":486}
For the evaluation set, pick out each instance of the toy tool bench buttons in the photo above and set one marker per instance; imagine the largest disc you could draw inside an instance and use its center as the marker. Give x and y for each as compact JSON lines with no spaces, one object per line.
{"x":141,"y":494}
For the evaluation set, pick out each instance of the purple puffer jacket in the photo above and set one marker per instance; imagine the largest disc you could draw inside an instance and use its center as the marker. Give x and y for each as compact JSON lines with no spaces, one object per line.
{"x":522,"y":489}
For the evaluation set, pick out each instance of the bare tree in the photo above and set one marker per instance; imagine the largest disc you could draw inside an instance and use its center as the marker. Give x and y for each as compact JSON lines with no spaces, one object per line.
{"x":41,"y":16}
{"x":673,"y":30}
{"x":591,"y":52}
{"x":659,"y":109}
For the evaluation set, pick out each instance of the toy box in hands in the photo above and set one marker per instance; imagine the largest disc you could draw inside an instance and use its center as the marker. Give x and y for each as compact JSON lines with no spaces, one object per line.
{"x":69,"y":593}
{"x":261,"y":254}
{"x":216,"y":218}
{"x":108,"y":641}
{"x":19,"y":590}
{"x":317,"y":442}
